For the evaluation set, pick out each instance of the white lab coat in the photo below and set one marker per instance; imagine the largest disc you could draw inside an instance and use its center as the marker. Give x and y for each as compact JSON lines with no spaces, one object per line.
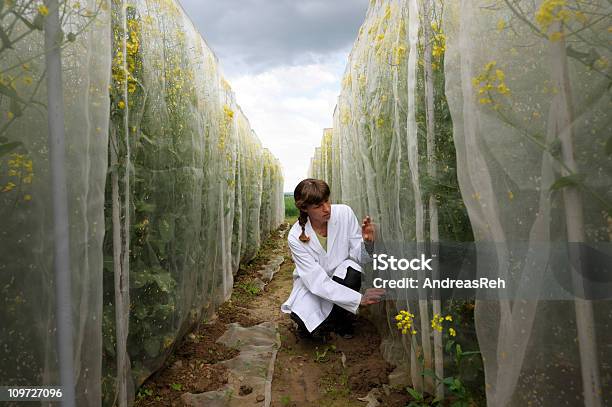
{"x":314,"y":292}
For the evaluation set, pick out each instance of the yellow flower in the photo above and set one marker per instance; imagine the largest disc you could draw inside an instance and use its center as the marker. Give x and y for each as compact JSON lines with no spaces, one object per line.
{"x":452,"y":332}
{"x":448,"y":318}
{"x":10,"y":115}
{"x":501,"y":24}
{"x":121,"y":104}
{"x":503,"y":89}
{"x":510,"y":195}
{"x":9,"y":187}
{"x":43,"y":10}
{"x":398,"y":318}
{"x":228,"y":112}
{"x":499,"y":74}
{"x":27,"y":197}
{"x":556,"y":36}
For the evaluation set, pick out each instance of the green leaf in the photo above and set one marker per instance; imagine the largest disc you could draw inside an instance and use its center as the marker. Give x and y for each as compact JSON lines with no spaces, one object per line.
{"x":164,"y":281}
{"x":414,"y":393}
{"x":166,"y":229}
{"x":572,"y":180}
{"x":8,"y":147}
{"x":449,"y":345}
{"x":145,"y":207}
{"x":448,"y":381}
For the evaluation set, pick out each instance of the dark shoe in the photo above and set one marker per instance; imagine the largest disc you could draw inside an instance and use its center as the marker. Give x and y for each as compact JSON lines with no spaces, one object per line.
{"x":346,"y":331}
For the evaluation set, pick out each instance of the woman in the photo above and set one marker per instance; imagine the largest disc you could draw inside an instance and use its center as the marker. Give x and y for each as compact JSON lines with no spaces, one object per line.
{"x":327,"y":246}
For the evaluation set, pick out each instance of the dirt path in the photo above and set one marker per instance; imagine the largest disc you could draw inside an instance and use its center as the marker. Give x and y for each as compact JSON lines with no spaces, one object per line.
{"x":306,"y":373}
{"x":309,"y":373}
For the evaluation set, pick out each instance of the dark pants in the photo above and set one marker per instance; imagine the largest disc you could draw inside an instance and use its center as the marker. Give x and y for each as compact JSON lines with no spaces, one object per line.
{"x":338,"y":319}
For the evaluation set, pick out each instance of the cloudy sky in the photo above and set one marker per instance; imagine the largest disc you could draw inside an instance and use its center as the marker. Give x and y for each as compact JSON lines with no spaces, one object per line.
{"x":284,"y":60}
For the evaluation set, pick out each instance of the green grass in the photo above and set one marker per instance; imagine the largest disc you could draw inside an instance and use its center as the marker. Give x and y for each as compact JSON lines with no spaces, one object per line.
{"x":290,"y":208}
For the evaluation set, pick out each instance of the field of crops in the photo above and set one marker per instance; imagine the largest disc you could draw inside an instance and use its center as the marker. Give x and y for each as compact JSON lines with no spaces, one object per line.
{"x":487,"y":122}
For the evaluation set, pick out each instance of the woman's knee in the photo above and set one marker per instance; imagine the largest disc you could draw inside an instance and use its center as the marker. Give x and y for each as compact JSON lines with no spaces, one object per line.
{"x":352,"y":279}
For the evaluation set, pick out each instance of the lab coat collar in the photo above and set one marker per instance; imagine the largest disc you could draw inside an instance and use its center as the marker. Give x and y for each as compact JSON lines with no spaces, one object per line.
{"x":332,"y":231}
{"x":314,"y":240}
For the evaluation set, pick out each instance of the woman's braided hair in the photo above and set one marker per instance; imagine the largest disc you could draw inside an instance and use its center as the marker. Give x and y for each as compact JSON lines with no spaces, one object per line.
{"x":309,"y":192}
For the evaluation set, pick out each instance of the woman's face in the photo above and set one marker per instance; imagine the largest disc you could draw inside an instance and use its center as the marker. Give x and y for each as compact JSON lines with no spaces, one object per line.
{"x":319,"y":213}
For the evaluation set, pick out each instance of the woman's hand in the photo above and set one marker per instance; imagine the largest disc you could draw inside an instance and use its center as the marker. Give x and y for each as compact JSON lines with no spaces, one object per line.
{"x":372,"y":296}
{"x":367,"y":230}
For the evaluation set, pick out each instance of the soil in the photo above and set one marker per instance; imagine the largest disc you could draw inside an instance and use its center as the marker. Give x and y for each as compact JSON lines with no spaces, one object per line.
{"x":307,"y":372}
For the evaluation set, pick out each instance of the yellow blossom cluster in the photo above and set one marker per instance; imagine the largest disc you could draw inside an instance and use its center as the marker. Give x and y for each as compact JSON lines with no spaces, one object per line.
{"x":43,"y":10}
{"x":123,"y":69}
{"x":489,"y":81}
{"x":399,"y":53}
{"x":552,"y":11}
{"x":439,"y":45}
{"x":21,"y":169}
{"x":405,"y":322}
{"x":226,"y":124}
{"x":437,"y":320}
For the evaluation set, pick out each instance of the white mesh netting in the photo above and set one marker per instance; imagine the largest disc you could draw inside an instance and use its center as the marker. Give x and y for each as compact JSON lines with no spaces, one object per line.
{"x":168,"y":189}
{"x":488,"y":121}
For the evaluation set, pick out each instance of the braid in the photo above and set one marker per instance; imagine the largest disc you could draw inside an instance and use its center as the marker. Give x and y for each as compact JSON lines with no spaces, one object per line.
{"x":302,"y":221}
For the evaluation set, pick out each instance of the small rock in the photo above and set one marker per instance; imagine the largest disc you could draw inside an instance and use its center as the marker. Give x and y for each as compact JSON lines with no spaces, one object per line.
{"x":260,"y":398}
{"x":245,"y":389}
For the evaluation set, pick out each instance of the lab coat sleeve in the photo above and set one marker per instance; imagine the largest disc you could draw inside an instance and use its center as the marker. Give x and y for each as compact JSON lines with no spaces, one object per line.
{"x":318,"y":282}
{"x":357,"y":247}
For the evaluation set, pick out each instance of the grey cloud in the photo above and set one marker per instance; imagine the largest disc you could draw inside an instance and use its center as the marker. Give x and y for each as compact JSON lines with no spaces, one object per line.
{"x":250,"y":36}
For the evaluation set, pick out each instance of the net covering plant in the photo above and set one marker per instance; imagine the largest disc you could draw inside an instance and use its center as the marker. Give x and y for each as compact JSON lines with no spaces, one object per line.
{"x":485,"y":121}
{"x":168,"y":189}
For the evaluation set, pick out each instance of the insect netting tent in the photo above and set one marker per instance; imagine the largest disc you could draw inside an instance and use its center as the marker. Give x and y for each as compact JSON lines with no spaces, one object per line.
{"x":167,"y":189}
{"x":489,"y":121}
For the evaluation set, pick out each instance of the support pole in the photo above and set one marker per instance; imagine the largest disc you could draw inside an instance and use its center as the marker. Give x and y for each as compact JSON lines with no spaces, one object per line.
{"x":61,"y":237}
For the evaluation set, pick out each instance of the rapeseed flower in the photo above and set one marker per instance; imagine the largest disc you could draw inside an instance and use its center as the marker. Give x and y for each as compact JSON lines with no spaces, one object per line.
{"x":43,"y":10}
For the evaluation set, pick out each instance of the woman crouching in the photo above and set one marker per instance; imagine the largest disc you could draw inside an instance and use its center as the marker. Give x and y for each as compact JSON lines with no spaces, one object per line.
{"x":327,"y":244}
